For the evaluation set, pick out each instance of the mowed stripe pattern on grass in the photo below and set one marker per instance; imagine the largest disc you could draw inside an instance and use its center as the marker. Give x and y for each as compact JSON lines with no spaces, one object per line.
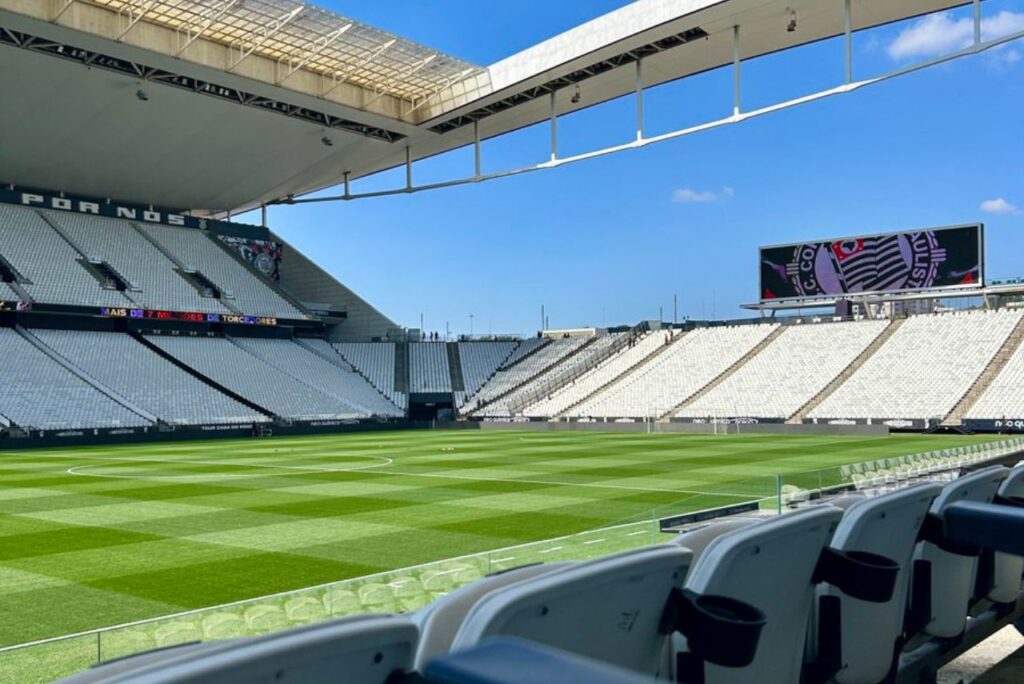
{"x":94,"y":536}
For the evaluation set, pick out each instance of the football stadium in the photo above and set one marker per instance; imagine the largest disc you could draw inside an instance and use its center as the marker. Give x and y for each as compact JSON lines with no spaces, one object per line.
{"x":219,"y":463}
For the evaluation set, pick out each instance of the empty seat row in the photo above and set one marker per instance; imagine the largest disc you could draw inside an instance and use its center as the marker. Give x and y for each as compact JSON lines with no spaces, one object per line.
{"x":789,"y":372}
{"x":554,"y":376}
{"x":428,"y":367}
{"x":691,"y":362}
{"x":605,"y":372}
{"x":336,"y":380}
{"x":146,"y":379}
{"x":510,"y":376}
{"x":855,"y":593}
{"x":480,"y":361}
{"x":37,"y":392}
{"x":923,"y":369}
{"x":50,"y":250}
{"x":376,"y":362}
{"x":249,"y":376}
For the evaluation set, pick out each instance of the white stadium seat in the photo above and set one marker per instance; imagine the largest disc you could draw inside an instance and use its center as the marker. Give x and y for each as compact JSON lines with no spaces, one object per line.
{"x":51,"y":265}
{"x":789,"y":372}
{"x":771,"y":566}
{"x":691,"y":362}
{"x":600,"y":375}
{"x":428,"y":367}
{"x":609,"y":609}
{"x":888,"y":526}
{"x":952,"y":572}
{"x":149,"y":381}
{"x":922,"y":371}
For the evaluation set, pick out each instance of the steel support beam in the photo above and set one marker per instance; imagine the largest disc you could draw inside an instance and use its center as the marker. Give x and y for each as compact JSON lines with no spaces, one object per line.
{"x":476,"y":149}
{"x":271,"y":31}
{"x":553,"y":116}
{"x":324,"y":43}
{"x":737,"y":80}
{"x":736,"y":118}
{"x":848,"y":38}
{"x":408,"y":168}
{"x":62,"y":10}
{"x":639,"y":99}
{"x":372,"y":55}
{"x":215,"y":13}
{"x":409,"y":72}
{"x":135,"y":19}
{"x":977,"y":22}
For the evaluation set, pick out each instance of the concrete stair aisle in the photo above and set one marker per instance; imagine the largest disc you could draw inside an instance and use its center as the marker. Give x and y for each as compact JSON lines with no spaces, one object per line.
{"x":798,"y":417}
{"x":758,"y":348}
{"x":998,"y":362}
{"x":455,"y":367}
{"x":402,"y":367}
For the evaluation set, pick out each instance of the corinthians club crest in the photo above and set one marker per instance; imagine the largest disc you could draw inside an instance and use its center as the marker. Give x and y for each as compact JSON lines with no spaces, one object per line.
{"x":887,"y":262}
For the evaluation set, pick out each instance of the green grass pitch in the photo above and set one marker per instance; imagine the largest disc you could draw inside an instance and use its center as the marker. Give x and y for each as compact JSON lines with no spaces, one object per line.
{"x":94,"y":536}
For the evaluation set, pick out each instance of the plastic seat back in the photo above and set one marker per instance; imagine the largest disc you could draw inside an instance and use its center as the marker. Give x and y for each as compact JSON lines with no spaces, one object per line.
{"x":441,"y":619}
{"x":769,"y":566}
{"x":887,"y":526}
{"x":1007,"y":570}
{"x":609,"y":609}
{"x":953,"y":574}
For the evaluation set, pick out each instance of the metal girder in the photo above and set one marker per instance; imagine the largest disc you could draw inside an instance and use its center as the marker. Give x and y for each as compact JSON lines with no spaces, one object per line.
{"x":268,"y":34}
{"x":448,"y":82}
{"x":62,"y":10}
{"x":738,"y":116}
{"x":317,"y":50}
{"x":409,"y":72}
{"x":135,"y":19}
{"x":215,"y":13}
{"x":374,"y":54}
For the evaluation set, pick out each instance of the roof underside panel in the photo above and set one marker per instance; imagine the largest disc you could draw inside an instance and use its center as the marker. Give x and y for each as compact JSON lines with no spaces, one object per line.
{"x":298,"y":35}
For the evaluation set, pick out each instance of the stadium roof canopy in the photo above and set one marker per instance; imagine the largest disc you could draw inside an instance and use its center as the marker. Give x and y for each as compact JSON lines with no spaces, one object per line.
{"x":226,"y":104}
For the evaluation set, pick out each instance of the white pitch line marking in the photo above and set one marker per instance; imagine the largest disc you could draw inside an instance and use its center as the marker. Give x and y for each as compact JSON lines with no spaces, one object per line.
{"x":593,"y":541}
{"x":552,"y":550}
{"x":76,"y":470}
{"x":385,"y":463}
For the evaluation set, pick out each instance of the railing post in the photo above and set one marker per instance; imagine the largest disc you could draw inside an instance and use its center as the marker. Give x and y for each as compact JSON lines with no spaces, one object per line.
{"x":778,"y":493}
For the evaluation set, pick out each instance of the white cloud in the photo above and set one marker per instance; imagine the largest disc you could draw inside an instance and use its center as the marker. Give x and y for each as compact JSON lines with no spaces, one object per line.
{"x":690,"y":195}
{"x":940,"y":33}
{"x":1000,"y":206}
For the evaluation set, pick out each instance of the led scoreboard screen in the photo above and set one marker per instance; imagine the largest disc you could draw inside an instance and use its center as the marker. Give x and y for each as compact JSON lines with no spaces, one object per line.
{"x":929,"y":259}
{"x":186,"y":317}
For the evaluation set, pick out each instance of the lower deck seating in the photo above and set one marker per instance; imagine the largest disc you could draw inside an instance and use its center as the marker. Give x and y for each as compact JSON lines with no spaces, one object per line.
{"x":146,"y":379}
{"x":332,"y":379}
{"x":253,"y":378}
{"x":480,"y":360}
{"x":36,"y":392}
{"x":376,"y":362}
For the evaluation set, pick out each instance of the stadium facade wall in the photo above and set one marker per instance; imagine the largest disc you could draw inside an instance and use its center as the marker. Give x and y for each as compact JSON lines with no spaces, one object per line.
{"x":316,"y":289}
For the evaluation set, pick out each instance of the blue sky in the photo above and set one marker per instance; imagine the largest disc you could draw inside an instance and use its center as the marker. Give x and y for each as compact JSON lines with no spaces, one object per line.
{"x":611,"y":240}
